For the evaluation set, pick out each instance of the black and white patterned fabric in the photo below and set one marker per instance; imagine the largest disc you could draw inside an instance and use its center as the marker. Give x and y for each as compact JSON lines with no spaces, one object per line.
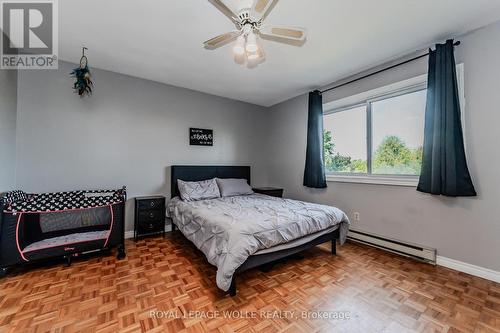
{"x":13,"y":196}
{"x":61,"y":201}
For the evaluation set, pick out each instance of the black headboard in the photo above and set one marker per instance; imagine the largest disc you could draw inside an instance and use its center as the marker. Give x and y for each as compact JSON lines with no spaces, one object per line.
{"x":194,"y":173}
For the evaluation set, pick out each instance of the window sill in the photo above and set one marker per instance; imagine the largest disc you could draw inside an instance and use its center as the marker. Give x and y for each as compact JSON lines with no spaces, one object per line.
{"x":409,"y":181}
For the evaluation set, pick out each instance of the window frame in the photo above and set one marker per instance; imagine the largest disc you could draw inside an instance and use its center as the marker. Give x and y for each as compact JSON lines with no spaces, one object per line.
{"x":366,"y":99}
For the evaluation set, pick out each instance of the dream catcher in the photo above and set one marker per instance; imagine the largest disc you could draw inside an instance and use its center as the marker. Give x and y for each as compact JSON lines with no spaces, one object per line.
{"x":83,"y":85}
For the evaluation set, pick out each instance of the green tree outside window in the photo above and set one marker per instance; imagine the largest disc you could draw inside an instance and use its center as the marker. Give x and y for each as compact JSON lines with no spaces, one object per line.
{"x":392,"y":157}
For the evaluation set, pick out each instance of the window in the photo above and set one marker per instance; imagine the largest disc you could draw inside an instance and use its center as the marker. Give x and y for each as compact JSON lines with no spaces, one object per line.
{"x":377,"y":136}
{"x":344,"y":140}
{"x":398,"y":134}
{"x":381,"y":137}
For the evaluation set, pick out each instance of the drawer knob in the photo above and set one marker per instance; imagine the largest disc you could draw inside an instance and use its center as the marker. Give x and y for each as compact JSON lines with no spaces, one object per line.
{"x":151,"y":215}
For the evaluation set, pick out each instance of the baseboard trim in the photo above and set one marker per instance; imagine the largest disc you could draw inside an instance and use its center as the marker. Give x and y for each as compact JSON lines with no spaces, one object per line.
{"x":464,"y":267}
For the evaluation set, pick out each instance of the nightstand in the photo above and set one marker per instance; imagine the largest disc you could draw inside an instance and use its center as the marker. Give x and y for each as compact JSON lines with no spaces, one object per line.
{"x":272,"y":191}
{"x":149,"y":216}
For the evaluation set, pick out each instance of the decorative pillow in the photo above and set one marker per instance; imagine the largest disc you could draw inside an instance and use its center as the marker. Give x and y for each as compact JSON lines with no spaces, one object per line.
{"x":193,"y":191}
{"x":231,"y":187}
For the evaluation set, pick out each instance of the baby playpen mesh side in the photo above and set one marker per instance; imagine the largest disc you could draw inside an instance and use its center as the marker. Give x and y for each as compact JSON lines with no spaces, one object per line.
{"x":52,"y":222}
{"x":28,"y":234}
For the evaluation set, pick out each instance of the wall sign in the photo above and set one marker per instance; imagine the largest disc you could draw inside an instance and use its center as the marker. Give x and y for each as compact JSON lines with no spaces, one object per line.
{"x":201,"y":137}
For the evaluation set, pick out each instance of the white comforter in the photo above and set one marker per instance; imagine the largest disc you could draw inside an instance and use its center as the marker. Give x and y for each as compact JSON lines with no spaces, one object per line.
{"x":229,"y":230}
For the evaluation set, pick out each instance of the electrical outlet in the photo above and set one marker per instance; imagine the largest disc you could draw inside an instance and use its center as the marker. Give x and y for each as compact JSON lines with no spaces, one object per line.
{"x":356,"y":216}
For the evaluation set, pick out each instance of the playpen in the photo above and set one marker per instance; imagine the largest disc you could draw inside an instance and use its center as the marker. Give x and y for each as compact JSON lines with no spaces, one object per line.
{"x":63,"y":224}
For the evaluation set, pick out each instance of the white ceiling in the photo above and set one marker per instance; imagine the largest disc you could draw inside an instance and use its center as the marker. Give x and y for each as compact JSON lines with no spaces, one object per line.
{"x":162,"y":40}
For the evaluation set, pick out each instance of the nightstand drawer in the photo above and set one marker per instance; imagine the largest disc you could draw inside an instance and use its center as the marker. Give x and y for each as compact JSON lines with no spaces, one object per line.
{"x":151,"y":204}
{"x":151,"y":216}
{"x":149,"y":227}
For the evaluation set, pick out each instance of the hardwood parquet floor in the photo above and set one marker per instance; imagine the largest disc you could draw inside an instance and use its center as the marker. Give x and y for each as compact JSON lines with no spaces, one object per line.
{"x":166,"y":285}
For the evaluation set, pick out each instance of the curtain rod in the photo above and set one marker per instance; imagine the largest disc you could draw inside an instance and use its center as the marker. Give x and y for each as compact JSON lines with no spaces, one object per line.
{"x":457,"y":43}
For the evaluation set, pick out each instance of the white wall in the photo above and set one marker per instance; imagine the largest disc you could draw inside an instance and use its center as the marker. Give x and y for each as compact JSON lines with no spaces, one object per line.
{"x":128,"y":133}
{"x":464,"y":229}
{"x":8,"y":101}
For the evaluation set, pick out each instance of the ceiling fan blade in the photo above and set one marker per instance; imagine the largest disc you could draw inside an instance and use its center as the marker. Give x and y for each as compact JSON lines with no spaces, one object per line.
{"x":221,"y":40}
{"x":289,"y":35}
{"x":220,"y":5}
{"x":262,"y":8}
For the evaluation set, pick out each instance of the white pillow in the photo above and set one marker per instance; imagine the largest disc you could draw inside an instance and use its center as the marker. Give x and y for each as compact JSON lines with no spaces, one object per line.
{"x":193,"y":191}
{"x":230,"y":187}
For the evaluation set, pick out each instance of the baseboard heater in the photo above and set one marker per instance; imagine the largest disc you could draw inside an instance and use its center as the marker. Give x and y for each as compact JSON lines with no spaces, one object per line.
{"x":395,"y":246}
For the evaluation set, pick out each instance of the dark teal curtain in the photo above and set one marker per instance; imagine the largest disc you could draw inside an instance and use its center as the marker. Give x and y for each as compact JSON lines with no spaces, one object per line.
{"x":314,"y":173}
{"x":444,"y":166}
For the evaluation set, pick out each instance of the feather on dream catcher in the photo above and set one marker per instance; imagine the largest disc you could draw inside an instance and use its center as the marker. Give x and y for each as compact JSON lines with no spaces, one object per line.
{"x":83,"y":85}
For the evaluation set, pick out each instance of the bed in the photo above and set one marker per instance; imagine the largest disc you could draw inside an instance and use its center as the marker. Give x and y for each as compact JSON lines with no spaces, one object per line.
{"x":242,"y":232}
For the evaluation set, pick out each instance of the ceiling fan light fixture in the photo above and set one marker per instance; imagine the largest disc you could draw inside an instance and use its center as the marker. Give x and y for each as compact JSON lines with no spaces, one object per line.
{"x":248,"y":21}
{"x":252,"y":46}
{"x":252,"y":56}
{"x":239,"y":47}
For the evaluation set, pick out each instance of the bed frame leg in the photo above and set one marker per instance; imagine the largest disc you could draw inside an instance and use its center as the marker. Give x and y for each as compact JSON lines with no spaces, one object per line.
{"x":232,"y":288}
{"x":121,"y":252}
{"x":334,"y":246}
{"x":68,"y":260}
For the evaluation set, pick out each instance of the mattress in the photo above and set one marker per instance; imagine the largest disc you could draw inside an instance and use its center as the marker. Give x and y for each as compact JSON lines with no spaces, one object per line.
{"x":75,"y":238}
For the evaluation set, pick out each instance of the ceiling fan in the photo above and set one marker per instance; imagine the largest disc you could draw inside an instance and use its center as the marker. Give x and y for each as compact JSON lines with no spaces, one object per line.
{"x":249,"y":27}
